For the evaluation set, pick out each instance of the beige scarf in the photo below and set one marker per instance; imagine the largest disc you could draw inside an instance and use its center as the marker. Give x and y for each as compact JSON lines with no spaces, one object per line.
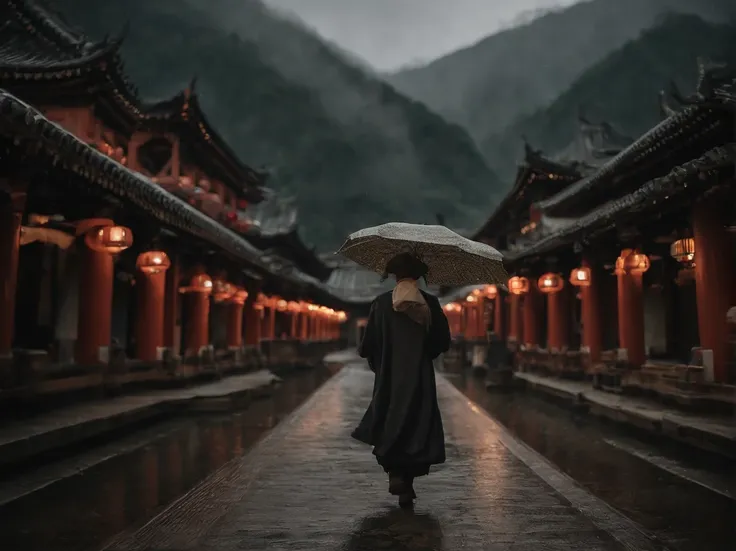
{"x":407,"y":298}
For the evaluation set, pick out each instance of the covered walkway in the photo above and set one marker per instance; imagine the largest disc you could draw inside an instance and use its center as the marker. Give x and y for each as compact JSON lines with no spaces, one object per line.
{"x":309,"y":486}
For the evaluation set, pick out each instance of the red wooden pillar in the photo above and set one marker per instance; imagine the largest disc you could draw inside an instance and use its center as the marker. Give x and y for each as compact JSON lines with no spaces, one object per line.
{"x":304,"y":324}
{"x":631,"y":315}
{"x":270,"y":317}
{"x":198,"y":313}
{"x":480,"y":308}
{"x":235,"y":323}
{"x":590,"y":313}
{"x":198,"y":324}
{"x":171,"y":304}
{"x":715,"y":275}
{"x":498,"y":316}
{"x":558,"y":323}
{"x":10,"y":222}
{"x":530,"y":316}
{"x":94,"y":324}
{"x":252,"y":321}
{"x":294,"y":332}
{"x":149,"y":326}
{"x":515,"y":323}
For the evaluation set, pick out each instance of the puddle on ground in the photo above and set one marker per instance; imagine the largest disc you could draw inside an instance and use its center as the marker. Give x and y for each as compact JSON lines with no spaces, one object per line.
{"x":131,"y":480}
{"x":663,"y":488}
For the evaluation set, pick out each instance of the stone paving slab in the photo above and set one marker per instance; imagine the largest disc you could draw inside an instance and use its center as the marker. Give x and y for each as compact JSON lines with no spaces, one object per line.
{"x":309,"y":486}
{"x":711,"y":432}
{"x":64,"y":426}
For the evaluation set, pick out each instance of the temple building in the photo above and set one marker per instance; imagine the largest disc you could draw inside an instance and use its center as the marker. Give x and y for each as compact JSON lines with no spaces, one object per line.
{"x":623,"y":258}
{"x":127,"y":251}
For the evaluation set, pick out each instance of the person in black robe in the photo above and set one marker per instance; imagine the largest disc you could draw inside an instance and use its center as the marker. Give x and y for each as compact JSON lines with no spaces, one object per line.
{"x":405,"y":332}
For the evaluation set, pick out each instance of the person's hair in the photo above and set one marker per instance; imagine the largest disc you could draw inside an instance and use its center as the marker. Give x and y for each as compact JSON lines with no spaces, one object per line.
{"x":405,"y":266}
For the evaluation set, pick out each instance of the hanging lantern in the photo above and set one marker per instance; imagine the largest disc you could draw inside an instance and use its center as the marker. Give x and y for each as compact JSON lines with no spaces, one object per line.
{"x":109,"y":239}
{"x":281,"y":305}
{"x":342,"y":316}
{"x":471,"y":298}
{"x":518,"y":285}
{"x":240,"y":296}
{"x":452,"y":307}
{"x":260,"y":301}
{"x":636,"y":263}
{"x":293,"y":306}
{"x":153,"y":262}
{"x":550,"y":283}
{"x":477,"y":292}
{"x":580,"y":277}
{"x":200,"y":283}
{"x":223,"y":290}
{"x":490,"y":291}
{"x":683,"y":250}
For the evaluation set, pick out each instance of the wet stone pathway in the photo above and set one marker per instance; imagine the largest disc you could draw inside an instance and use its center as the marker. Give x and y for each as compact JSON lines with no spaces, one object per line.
{"x":309,"y":486}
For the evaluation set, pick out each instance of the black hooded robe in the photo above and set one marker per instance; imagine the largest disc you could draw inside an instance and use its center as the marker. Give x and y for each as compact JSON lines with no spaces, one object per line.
{"x":403,"y":421}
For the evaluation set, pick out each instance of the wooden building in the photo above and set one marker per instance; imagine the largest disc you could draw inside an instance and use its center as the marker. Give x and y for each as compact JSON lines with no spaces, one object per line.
{"x":123,"y":248}
{"x":624,"y":271}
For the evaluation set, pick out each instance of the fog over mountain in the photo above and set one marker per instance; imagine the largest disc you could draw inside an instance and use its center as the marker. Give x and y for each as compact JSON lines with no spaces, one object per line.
{"x":353,"y":150}
{"x":390,"y":34}
{"x":512,"y":73}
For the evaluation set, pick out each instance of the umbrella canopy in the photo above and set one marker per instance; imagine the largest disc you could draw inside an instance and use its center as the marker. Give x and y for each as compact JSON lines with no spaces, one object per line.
{"x":452,"y":259}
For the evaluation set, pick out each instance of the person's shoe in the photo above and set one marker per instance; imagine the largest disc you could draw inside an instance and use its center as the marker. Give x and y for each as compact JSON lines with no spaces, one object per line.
{"x":397,"y":486}
{"x":406,"y":501}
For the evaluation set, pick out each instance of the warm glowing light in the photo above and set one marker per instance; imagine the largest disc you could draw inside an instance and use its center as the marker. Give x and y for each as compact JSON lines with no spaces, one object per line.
{"x":200,"y":283}
{"x":471,"y":298}
{"x":293,"y":306}
{"x":110,"y":239}
{"x":518,"y":285}
{"x":153,"y":262}
{"x":240,"y":296}
{"x":490,"y":291}
{"x":281,"y":305}
{"x":477,"y":292}
{"x":683,"y":250}
{"x":637,"y":263}
{"x":452,"y":307}
{"x":550,"y":283}
{"x":580,"y":277}
{"x":223,"y":290}
{"x":342,"y":316}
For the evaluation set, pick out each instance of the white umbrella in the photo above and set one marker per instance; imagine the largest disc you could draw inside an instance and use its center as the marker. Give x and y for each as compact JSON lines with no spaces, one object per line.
{"x":452,"y":259}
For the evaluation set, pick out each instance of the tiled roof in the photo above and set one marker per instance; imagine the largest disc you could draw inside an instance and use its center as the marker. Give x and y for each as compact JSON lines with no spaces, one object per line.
{"x":702,"y":117}
{"x":24,"y":123}
{"x":184,"y":110}
{"x":691,"y":177}
{"x":27,"y":126}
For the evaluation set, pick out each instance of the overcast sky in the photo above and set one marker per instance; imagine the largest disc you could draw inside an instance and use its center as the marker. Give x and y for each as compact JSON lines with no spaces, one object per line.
{"x":392,"y":33}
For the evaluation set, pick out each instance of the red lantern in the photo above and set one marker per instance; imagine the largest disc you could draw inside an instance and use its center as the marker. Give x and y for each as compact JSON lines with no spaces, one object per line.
{"x":632,"y":262}
{"x":200,"y":283}
{"x":490,"y":291}
{"x":550,"y":283}
{"x":518,"y":285}
{"x":580,"y":277}
{"x":153,"y":262}
{"x":223,"y":290}
{"x":109,"y":239}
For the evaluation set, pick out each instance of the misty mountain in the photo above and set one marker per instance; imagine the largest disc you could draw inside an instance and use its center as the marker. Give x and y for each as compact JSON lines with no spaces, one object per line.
{"x":353,"y":150}
{"x":623,"y":89}
{"x":487,"y":86}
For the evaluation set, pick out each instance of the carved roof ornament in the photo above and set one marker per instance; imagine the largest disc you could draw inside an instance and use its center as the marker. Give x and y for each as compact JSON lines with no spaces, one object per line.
{"x":665,"y":110}
{"x":711,"y":76}
{"x":529,"y":151}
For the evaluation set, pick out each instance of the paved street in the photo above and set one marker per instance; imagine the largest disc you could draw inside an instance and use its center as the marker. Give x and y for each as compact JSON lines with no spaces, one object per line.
{"x":308,"y":486}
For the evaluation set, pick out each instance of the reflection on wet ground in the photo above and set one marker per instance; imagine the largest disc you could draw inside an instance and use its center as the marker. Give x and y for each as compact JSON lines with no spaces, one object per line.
{"x":134,"y":478}
{"x":397,"y":530}
{"x":680,"y":496}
